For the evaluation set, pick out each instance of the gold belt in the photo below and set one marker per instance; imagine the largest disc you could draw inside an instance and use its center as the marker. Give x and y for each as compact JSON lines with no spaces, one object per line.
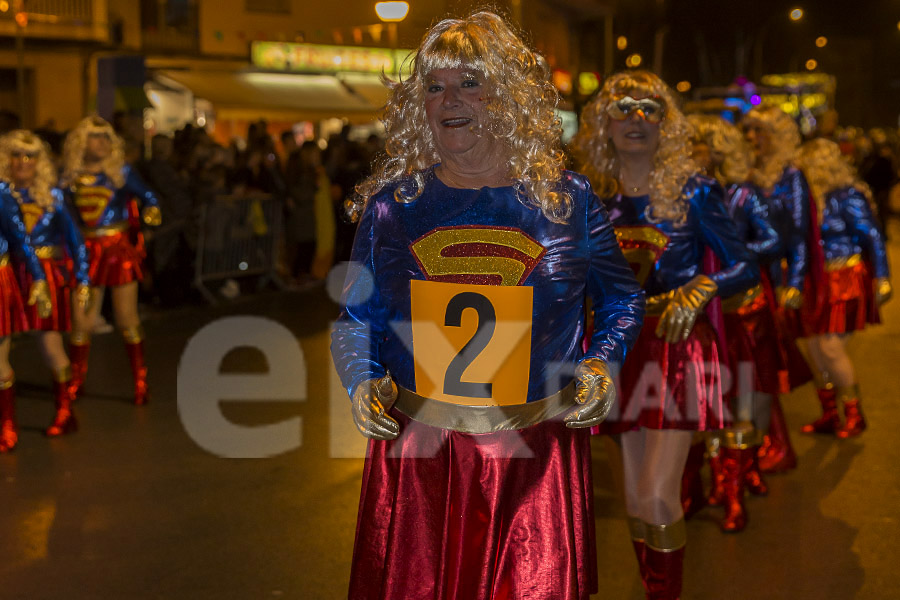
{"x":106,"y":231}
{"x":4,"y":260}
{"x":483,"y":419}
{"x":844,"y":262}
{"x":54,"y":252}
{"x":738,"y":301}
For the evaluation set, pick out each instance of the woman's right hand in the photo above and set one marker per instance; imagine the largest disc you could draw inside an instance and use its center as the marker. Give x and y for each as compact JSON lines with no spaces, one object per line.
{"x":371,"y":401}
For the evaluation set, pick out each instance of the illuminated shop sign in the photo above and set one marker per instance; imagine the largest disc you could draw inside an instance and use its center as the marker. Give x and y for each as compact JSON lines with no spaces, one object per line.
{"x":321,"y":58}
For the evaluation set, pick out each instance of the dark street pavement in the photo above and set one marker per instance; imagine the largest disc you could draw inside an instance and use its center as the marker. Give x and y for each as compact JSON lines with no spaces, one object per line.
{"x":142,"y":504}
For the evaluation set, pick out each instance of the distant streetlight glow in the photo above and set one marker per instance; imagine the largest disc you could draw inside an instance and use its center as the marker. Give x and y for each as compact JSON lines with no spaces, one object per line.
{"x":821,"y":41}
{"x":621,"y":42}
{"x":391,"y":11}
{"x":796,"y":14}
{"x":633,"y":61}
{"x":683,"y":86}
{"x":4,"y":6}
{"x":811,"y":64}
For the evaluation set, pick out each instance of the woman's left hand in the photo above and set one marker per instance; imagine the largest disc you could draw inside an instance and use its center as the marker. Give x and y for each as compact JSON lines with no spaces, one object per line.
{"x":883,"y":290}
{"x":39,"y":295}
{"x":594,"y":391}
{"x":681,"y":313}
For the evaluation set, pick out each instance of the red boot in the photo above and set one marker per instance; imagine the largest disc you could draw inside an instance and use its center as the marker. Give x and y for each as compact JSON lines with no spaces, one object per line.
{"x":716,"y":493}
{"x":777,"y":454}
{"x":735,"y":464}
{"x":64,"y":422}
{"x":856,"y":422}
{"x":692,"y":497}
{"x":754,"y":481}
{"x":830,"y":421}
{"x":134,"y":344}
{"x":8,"y":436}
{"x":79,"y":350}
{"x":638,"y":533}
{"x":664,"y":561}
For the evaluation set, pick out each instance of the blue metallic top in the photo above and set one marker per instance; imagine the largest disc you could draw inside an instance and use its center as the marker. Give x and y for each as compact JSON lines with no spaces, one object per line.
{"x":849,"y":227}
{"x":667,"y":256}
{"x":98,"y":203}
{"x":577,"y":259}
{"x":53,"y":228}
{"x":789,"y":212}
{"x":13,"y":235}
{"x":751,"y":216}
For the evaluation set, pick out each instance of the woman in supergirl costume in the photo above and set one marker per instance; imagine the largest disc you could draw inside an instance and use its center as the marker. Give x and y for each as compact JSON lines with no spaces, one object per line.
{"x":100,"y":190}
{"x":669,"y":220}
{"x":460,"y":339}
{"x":857,"y":282}
{"x":26,"y":168}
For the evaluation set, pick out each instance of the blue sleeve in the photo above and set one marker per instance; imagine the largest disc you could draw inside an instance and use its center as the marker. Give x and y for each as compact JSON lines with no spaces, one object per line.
{"x":858,"y":215}
{"x":73,"y":239}
{"x":739,"y":270}
{"x":135,"y":186}
{"x":362,"y":324}
{"x":616,"y":296}
{"x":766,"y":244}
{"x":797,"y":205}
{"x":13,"y":229}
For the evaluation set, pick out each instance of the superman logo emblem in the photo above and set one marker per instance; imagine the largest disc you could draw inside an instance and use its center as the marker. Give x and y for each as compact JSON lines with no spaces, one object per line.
{"x":31,"y":214}
{"x":642,"y":246}
{"x":91,"y":201}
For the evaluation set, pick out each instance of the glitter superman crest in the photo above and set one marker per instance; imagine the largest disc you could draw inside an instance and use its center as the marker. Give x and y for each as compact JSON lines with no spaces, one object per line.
{"x":475,"y":254}
{"x":642,"y":246}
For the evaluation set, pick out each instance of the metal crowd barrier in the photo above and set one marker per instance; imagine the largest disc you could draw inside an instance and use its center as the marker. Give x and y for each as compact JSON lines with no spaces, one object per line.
{"x":239,"y":237}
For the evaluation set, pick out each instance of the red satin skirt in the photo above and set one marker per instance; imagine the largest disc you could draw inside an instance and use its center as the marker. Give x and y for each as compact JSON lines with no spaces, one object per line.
{"x":848,"y":305}
{"x":452,"y":516}
{"x":60,"y":318}
{"x":12,"y":307}
{"x":113,"y":260}
{"x":789,"y":328}
{"x":670,"y":386}
{"x":755,"y":358}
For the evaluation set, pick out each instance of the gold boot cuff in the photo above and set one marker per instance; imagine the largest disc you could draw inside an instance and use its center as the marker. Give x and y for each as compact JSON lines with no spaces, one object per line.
{"x":741,"y":436}
{"x":637,"y":528}
{"x":667,"y":538}
{"x":850,"y":392}
{"x":80,"y":338}
{"x":133,"y":335}
{"x":63,"y":375}
{"x":5,"y":384}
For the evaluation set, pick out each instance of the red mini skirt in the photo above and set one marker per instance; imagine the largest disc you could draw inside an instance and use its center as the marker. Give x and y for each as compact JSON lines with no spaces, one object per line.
{"x":849,"y":302}
{"x":755,"y":357}
{"x":12,"y":308}
{"x":60,"y":318}
{"x":114,"y":260}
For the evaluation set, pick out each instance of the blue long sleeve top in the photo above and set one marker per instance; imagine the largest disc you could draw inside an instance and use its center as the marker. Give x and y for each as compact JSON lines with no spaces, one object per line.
{"x":849,"y":227}
{"x":97,"y":202}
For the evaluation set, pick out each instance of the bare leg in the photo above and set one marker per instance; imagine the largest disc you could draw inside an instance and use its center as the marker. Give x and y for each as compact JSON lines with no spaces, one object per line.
{"x":125,"y":305}
{"x":83,"y":321}
{"x":6,"y":370}
{"x":832,"y":350}
{"x":54,"y":351}
{"x":654,"y":461}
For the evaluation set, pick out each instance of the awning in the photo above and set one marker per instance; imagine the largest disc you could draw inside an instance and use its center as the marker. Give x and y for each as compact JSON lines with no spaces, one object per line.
{"x":282,"y":96}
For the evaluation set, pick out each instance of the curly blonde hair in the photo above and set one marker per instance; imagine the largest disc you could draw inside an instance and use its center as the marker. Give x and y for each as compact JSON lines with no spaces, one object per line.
{"x":826,"y":170}
{"x":727,"y":147}
{"x":520,"y":106}
{"x":76,"y":142}
{"x":45,"y":177}
{"x":672,"y":163}
{"x":784,"y":135}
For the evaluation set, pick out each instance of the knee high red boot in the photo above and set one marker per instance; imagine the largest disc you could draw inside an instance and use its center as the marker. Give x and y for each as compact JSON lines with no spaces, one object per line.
{"x":8,"y":435}
{"x":638,"y":530}
{"x":830,"y":421}
{"x":777,"y":454}
{"x":134,"y":344}
{"x":64,"y":421}
{"x":716,"y":495}
{"x":664,"y":560}
{"x":79,"y":349}
{"x":856,"y":422}
{"x":754,"y":480}
{"x":735,"y":464}
{"x":692,"y":497}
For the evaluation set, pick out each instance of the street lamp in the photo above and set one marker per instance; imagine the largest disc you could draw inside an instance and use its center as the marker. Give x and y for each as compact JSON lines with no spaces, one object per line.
{"x":821,"y":41}
{"x":796,"y":14}
{"x":392,"y":13}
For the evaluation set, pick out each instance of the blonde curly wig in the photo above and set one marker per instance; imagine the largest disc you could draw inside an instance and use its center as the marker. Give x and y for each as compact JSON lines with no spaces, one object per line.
{"x":727,"y":147}
{"x":826,"y":170}
{"x":45,"y":176}
{"x":76,"y":142}
{"x":672,"y":163}
{"x":520,"y":104}
{"x":784,"y":135}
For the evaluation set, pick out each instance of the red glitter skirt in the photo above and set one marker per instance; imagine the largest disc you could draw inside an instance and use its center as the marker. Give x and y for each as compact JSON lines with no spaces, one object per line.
{"x":848,"y":305}
{"x":114,"y":260}
{"x":670,"y":386}
{"x":12,"y":308}
{"x":445,"y":515}
{"x":60,"y":318}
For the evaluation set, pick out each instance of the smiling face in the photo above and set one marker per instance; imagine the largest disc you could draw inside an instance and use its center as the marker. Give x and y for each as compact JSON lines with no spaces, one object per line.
{"x":456,"y":113}
{"x":632,"y":131}
{"x":22,"y":167}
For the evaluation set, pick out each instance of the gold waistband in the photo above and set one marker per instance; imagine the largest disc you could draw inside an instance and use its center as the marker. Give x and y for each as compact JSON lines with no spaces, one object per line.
{"x":483,"y":419}
{"x":844,"y":262}
{"x":738,"y":301}
{"x":54,"y":252}
{"x":98,"y":232}
{"x":4,"y":260}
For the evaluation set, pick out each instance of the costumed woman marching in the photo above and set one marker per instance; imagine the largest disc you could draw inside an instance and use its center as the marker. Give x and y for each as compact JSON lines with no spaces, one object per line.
{"x":55,"y":239}
{"x":459,"y":342}
{"x":636,"y":143}
{"x":100,"y":188}
{"x":857,"y":282}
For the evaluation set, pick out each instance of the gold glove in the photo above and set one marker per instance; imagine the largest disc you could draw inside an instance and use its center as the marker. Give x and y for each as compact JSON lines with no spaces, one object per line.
{"x":594,"y":391}
{"x":789,"y":297}
{"x":687,"y":302}
{"x":371,"y":401}
{"x":83,"y":296}
{"x":39,"y":295}
{"x":883,"y":290}
{"x":151,"y":216}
